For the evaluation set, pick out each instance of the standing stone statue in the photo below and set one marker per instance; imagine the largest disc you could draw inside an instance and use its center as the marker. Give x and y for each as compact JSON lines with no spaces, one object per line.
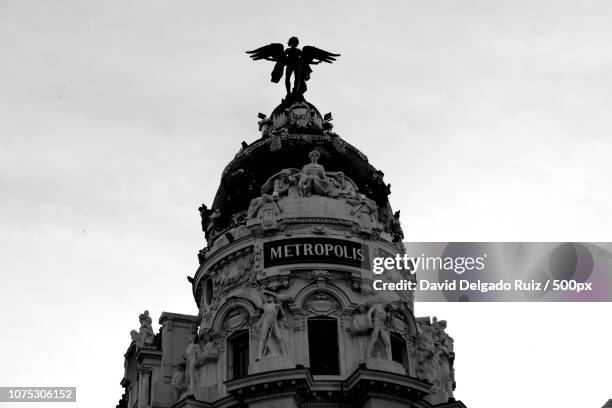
{"x":269,"y":321}
{"x":444,"y":348}
{"x":379,"y":318}
{"x":191,"y":362}
{"x":428,"y":361}
{"x":207,"y":354}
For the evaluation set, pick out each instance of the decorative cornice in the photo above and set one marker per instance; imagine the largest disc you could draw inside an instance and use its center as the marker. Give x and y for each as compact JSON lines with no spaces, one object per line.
{"x":362,"y":384}
{"x":166,"y":316}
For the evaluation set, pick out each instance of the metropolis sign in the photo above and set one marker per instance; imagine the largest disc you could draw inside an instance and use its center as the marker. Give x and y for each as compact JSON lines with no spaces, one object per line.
{"x":309,"y":250}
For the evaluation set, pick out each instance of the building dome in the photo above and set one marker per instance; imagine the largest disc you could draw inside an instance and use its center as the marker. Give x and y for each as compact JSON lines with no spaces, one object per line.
{"x":288,"y":136}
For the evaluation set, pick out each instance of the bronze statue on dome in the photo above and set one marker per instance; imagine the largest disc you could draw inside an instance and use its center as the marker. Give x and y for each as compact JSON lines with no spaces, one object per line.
{"x":296,"y":61}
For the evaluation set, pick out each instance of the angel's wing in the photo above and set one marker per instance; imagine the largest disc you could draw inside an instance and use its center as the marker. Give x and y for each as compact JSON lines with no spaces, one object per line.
{"x":270,"y":52}
{"x":311,"y":54}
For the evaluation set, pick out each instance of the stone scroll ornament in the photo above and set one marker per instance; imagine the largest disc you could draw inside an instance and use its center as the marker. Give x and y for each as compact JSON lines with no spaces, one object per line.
{"x":293,"y":61}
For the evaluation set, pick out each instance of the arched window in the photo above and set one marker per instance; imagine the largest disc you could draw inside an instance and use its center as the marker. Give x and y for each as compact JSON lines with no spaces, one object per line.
{"x":323,"y":345}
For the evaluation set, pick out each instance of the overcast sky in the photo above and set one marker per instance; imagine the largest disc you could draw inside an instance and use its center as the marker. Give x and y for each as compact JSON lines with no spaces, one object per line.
{"x":490,"y":119}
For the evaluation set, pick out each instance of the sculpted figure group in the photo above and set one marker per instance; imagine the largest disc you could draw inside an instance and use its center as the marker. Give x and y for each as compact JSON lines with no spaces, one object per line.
{"x":193,"y":370}
{"x":145,"y":336}
{"x":312,"y":179}
{"x":433,"y":347}
{"x":374,"y":320}
{"x":197,"y":366}
{"x":434,"y":355}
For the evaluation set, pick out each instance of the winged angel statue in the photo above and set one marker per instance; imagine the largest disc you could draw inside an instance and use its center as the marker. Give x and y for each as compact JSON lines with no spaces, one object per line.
{"x":296,"y":61}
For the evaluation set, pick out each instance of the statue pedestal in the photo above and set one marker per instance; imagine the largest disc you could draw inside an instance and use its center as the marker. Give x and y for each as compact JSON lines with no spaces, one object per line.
{"x":271,"y":363}
{"x":164,"y":394}
{"x":385,"y":365}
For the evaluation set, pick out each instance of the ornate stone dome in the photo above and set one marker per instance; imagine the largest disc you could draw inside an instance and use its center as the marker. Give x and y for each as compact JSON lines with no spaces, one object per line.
{"x":288,"y":136}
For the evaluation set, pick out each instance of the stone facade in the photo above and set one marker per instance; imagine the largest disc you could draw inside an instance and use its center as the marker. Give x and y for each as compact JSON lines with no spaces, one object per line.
{"x":286,"y":313}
